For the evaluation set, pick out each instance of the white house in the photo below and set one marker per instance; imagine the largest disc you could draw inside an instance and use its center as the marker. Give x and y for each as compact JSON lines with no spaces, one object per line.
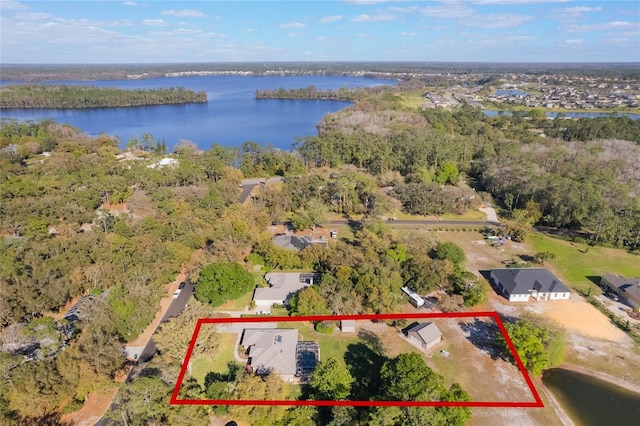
{"x":519,"y":285}
{"x":282,"y":285}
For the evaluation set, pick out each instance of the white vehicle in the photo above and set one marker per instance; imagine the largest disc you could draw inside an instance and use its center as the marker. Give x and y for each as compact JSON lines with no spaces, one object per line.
{"x":176,"y":293}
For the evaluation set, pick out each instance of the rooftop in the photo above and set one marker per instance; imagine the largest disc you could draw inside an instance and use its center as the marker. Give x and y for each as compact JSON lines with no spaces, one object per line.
{"x":525,"y":280}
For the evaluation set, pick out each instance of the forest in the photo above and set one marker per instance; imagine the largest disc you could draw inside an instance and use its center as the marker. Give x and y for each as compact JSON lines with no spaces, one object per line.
{"x":81,"y":217}
{"x":71,"y":96}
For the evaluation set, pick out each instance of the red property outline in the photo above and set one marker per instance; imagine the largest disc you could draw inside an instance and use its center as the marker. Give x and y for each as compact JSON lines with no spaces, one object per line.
{"x":496,"y":404}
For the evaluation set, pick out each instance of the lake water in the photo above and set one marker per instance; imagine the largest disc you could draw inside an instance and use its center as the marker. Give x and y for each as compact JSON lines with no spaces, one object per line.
{"x":231,"y":116}
{"x":510,"y":92}
{"x":591,"y":401}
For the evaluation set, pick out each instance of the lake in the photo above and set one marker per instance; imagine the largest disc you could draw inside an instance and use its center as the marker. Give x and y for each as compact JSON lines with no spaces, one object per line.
{"x":591,"y":401}
{"x":230,"y":117}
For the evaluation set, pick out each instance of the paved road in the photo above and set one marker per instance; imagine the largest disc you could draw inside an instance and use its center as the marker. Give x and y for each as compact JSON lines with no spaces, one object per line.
{"x":148,"y":351}
{"x":248,"y":185}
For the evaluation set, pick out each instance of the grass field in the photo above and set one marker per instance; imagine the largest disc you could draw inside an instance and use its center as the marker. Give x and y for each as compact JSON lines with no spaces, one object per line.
{"x":239,"y":304}
{"x":331,"y":345}
{"x":201,"y":366}
{"x":577,"y":263}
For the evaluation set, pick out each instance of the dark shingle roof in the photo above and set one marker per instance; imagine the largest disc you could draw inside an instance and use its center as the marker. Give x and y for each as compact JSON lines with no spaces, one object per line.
{"x":522,"y":281}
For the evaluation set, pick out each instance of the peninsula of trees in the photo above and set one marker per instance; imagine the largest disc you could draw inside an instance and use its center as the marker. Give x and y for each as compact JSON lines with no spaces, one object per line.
{"x":64,"y":96}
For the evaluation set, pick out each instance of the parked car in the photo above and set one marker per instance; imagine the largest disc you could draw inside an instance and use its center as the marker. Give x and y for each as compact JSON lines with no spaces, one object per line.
{"x":176,"y":293}
{"x":181,"y":286}
{"x":263,"y":313}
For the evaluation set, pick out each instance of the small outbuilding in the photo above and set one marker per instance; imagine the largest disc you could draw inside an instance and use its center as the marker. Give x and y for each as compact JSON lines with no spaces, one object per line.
{"x":425,"y":335}
{"x":348,"y":326}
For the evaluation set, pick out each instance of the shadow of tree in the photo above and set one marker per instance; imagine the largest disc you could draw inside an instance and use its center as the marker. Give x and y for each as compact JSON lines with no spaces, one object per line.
{"x":526,"y":258}
{"x":485,"y":335}
{"x":372,"y":341}
{"x":364,"y":364}
{"x":52,"y":419}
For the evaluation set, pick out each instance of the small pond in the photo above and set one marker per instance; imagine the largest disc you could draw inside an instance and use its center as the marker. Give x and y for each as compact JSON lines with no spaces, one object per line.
{"x":588,"y":400}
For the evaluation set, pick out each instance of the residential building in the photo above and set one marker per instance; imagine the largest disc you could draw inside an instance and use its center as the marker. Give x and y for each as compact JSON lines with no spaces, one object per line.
{"x":627,"y":289}
{"x":520,"y":284}
{"x":282,"y":285}
{"x":271,"y":351}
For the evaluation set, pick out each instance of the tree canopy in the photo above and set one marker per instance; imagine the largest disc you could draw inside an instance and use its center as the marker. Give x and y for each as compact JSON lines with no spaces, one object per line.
{"x":220,"y":282}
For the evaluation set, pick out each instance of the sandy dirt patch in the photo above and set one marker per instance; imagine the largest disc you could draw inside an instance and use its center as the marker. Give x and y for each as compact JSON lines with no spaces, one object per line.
{"x":92,"y":410}
{"x":578,"y":315}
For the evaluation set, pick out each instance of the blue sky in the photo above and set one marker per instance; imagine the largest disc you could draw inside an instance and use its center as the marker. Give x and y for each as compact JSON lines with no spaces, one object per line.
{"x":58,"y":32}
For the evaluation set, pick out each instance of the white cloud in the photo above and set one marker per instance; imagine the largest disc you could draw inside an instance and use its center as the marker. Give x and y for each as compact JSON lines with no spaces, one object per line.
{"x":521,"y":38}
{"x":614,"y":25}
{"x":12,"y":5}
{"x":495,"y":20}
{"x":184,"y":13}
{"x":322,"y":38}
{"x":155,"y":22}
{"x":292,"y":25}
{"x":489,"y":2}
{"x":574,"y":41}
{"x":362,"y":35}
{"x":373,"y":18}
{"x":397,"y":9}
{"x":579,"y":9}
{"x":409,"y":34}
{"x":371,"y":1}
{"x":329,"y":19}
{"x":130,"y":3}
{"x":453,"y":10}
{"x":32,"y":16}
{"x":250,"y":30}
{"x":294,"y":34}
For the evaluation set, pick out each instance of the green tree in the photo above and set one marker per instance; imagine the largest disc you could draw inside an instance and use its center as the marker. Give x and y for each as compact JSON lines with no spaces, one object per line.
{"x":448,"y":173}
{"x":542,"y":256}
{"x":308,"y":302}
{"x":408,"y":378}
{"x":331,"y":380}
{"x":220,"y":282}
{"x":449,"y":251}
{"x":536,"y":345}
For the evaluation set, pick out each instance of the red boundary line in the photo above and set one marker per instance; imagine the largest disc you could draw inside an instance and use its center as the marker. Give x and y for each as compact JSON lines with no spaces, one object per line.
{"x":495,"y":404}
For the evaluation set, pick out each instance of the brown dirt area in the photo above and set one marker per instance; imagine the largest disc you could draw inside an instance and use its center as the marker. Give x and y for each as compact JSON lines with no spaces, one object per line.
{"x":94,"y":407}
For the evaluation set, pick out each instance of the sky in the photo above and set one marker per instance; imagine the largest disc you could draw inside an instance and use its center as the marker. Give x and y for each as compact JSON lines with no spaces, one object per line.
{"x":77,"y":32}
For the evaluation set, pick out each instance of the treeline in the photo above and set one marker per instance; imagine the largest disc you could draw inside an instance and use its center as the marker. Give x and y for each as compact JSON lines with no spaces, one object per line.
{"x":65,"y":96}
{"x":365,"y":374}
{"x":311,"y":93}
{"x":587,"y":129}
{"x":592,"y":187}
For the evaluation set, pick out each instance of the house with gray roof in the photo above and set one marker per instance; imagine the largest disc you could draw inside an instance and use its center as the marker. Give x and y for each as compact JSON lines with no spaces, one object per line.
{"x":425,"y":335}
{"x":282,"y":285}
{"x":628,"y":289}
{"x":520,"y":284}
{"x":272,"y":351}
{"x":295,"y":242}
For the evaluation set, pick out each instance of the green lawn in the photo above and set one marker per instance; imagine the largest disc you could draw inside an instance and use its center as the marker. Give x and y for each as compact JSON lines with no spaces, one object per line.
{"x":238,"y":304}
{"x":577,"y":262}
{"x":203,"y":365}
